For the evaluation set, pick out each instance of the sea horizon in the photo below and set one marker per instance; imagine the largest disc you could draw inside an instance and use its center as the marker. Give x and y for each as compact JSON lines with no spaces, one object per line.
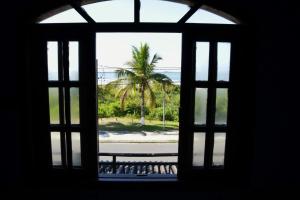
{"x":109,"y":76}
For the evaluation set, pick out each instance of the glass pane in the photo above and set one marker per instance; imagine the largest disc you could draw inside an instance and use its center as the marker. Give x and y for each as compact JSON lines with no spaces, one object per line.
{"x":202,"y":61}
{"x":162,"y":11}
{"x":205,"y":17}
{"x":219,"y":149}
{"x":221,"y":106}
{"x":76,"y":149}
{"x":223,"y":61}
{"x":200,"y":105}
{"x":111,"y":11}
{"x":56,"y":148}
{"x":52,"y":55}
{"x":68,"y":16}
{"x":54,"y":105}
{"x":74,"y":102}
{"x":198,"y":149}
{"x":73,"y":61}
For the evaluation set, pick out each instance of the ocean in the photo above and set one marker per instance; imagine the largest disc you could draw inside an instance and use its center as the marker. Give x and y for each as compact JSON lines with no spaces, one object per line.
{"x":106,"y":77}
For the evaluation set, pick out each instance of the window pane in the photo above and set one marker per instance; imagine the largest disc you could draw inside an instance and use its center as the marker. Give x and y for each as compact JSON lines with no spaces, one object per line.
{"x":111,"y":11}
{"x":76,"y":149}
{"x":162,"y":11}
{"x":74,"y":102}
{"x":73,"y":61}
{"x":219,"y":149}
{"x":56,"y":148}
{"x":221,"y":106}
{"x":198,"y":149}
{"x":202,"y":60}
{"x":54,"y":105}
{"x":223,"y":61}
{"x":205,"y":17}
{"x":68,"y":16}
{"x":52,"y":55}
{"x":200,"y":105}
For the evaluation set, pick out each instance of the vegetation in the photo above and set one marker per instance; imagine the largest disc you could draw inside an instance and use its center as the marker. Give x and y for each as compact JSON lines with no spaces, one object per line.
{"x":133,"y":125}
{"x":109,"y":106}
{"x":139,"y":79}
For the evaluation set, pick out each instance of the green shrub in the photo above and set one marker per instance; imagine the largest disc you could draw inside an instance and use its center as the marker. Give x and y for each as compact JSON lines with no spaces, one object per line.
{"x":171,"y":114}
{"x":109,"y":105}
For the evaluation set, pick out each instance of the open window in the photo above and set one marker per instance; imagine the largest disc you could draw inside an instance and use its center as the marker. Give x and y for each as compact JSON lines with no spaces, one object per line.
{"x":138,"y":103}
{"x":94,"y":99}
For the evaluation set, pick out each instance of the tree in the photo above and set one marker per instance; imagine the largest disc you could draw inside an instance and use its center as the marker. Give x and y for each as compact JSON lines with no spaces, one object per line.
{"x":139,"y":78}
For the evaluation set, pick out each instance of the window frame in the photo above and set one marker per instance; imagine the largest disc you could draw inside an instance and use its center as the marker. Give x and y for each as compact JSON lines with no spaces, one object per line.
{"x":190,"y":34}
{"x":87,"y":71}
{"x":226,"y":33}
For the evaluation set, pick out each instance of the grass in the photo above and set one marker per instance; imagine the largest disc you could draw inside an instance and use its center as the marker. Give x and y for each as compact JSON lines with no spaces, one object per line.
{"x":130,"y":124}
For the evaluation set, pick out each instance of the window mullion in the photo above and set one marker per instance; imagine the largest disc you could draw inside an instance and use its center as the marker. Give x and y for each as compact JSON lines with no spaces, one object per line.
{"x":211,"y":99}
{"x":190,"y":13}
{"x":137,"y":8}
{"x":60,"y":61}
{"x":68,"y":125}
{"x":67,"y":101}
{"x":62,"y":103}
{"x":82,"y":12}
{"x":65,"y":60}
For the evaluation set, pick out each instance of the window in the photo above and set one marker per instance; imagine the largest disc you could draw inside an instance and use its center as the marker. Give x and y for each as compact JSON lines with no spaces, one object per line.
{"x":126,"y":146}
{"x":68,"y":16}
{"x":164,"y":11}
{"x":204,"y":95}
{"x":64,"y":100}
{"x":211,"y":102}
{"x":205,"y":17}
{"x":111,"y":11}
{"x":123,"y":11}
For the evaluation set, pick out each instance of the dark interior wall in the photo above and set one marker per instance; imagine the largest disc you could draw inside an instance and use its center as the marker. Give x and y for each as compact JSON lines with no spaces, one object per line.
{"x":275,"y":34}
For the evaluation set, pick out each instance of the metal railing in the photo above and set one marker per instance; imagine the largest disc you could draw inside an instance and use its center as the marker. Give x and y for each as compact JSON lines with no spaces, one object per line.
{"x":114,"y":161}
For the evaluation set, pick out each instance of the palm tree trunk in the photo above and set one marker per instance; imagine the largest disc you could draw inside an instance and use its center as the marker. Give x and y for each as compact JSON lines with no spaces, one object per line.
{"x":142,"y":105}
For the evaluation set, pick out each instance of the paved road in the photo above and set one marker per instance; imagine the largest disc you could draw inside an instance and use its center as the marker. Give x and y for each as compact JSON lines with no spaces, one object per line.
{"x":140,"y":148}
{"x":149,"y":148}
{"x":161,"y":148}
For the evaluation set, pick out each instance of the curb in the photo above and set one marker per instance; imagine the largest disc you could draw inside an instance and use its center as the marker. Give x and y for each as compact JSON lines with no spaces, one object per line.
{"x":143,"y":141}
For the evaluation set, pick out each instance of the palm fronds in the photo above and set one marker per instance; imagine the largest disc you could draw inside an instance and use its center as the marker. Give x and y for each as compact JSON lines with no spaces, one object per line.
{"x":139,"y":77}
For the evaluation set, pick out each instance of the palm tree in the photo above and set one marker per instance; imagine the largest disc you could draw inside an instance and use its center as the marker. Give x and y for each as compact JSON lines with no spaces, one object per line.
{"x":140,"y":77}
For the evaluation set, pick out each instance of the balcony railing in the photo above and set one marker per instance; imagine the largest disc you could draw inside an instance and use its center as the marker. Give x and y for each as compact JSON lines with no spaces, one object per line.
{"x":141,"y":168}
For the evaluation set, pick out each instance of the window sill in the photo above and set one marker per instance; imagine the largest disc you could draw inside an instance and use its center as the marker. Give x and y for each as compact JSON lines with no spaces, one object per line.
{"x":137,"y":178}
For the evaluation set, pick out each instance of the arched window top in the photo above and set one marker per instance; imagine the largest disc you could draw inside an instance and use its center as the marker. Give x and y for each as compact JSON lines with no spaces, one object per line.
{"x":162,"y":11}
{"x":67,"y":16}
{"x":111,"y":11}
{"x":202,"y":16}
{"x":150,"y":11}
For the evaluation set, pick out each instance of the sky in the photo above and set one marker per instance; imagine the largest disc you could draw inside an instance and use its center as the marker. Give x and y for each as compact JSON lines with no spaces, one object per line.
{"x":115,"y":49}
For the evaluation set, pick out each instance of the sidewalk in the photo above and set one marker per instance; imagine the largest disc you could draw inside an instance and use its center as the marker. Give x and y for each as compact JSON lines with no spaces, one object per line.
{"x":138,"y":137}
